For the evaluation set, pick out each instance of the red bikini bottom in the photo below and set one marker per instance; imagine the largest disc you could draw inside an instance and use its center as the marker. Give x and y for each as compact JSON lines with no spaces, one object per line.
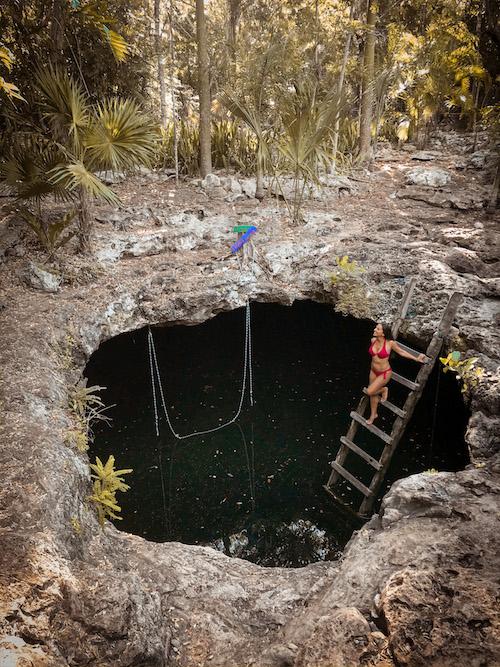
{"x":384,"y":373}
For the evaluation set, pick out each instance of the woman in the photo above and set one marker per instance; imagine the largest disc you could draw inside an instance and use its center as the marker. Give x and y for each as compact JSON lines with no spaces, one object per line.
{"x":380,"y":372}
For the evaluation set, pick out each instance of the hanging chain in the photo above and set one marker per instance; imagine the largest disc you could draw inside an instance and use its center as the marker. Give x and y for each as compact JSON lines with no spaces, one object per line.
{"x":150,"y":343}
{"x":249,"y":345}
{"x":247,"y":364}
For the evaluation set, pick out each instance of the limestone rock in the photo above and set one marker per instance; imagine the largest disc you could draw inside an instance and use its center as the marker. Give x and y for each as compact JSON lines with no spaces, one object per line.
{"x":477,"y":160}
{"x":231,"y":184}
{"x":464,"y":200}
{"x":42,"y":278}
{"x":424,"y":156}
{"x":111,"y":177}
{"x":433,"y":177}
{"x":425,"y":569}
{"x":343,"y":637}
{"x":339,"y":183}
{"x":483,"y":436}
{"x":210,"y":181}
{"x":387,"y":154}
{"x":15,"y":652}
{"x":441,"y":618}
{"x":233,"y":197}
{"x":249,"y":187}
{"x":466,"y":261}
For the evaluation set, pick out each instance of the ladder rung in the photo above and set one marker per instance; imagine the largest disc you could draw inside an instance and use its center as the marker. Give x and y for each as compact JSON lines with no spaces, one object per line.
{"x":390,"y":406}
{"x":405,"y":381}
{"x":343,"y":503}
{"x":373,"y":429}
{"x":410,"y":350}
{"x":360,"y":452}
{"x":351,"y":479}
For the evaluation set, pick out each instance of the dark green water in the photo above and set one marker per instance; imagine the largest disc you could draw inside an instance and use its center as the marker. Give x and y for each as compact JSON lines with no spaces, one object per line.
{"x":263,"y":475}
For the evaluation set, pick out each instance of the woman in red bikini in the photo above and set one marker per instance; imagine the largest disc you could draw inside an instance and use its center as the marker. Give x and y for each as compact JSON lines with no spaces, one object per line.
{"x":380,"y":371}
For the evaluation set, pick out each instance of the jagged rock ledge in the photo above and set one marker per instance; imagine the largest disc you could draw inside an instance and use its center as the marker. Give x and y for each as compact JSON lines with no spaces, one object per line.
{"x":417,"y":585}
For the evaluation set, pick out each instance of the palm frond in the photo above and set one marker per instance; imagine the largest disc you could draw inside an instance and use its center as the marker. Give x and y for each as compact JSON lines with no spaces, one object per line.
{"x":117,"y":44}
{"x":73,"y":176}
{"x":6,"y":57}
{"x":120,"y":137}
{"x":307,"y":123}
{"x":25,"y":169}
{"x":10,"y":89}
{"x":242,"y":110}
{"x":64,"y":104}
{"x":251,"y":117}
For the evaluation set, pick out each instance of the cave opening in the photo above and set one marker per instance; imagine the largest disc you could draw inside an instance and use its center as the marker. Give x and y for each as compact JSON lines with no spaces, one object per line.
{"x":255,"y":489}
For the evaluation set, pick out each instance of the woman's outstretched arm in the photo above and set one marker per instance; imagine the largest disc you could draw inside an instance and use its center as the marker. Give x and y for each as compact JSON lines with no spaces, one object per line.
{"x":402,"y":353}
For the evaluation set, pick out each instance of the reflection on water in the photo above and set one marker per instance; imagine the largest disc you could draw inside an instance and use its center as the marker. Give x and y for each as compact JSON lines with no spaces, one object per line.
{"x":254,"y":489}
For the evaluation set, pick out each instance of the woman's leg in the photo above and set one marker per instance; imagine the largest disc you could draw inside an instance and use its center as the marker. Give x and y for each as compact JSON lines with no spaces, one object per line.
{"x":373,"y":399}
{"x":376,"y":388}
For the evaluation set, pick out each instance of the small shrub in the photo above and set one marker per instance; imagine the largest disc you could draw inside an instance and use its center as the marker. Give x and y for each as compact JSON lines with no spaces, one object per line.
{"x":465,"y":369}
{"x":87,"y":407}
{"x":352,"y":296}
{"x":76,"y":525}
{"x":77,"y":438}
{"x":107,"y":481}
{"x":65,"y":351}
{"x":86,"y":404}
{"x":51,"y":235}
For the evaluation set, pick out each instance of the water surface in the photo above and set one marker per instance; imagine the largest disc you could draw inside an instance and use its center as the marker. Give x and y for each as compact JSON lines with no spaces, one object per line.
{"x":255,"y":488}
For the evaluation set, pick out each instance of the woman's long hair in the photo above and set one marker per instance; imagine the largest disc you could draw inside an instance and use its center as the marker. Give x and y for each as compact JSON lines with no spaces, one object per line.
{"x":387,"y":331}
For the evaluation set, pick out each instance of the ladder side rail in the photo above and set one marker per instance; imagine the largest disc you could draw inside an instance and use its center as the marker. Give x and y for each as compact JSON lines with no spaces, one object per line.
{"x":403,"y":307}
{"x":343,"y":450}
{"x":449,"y":314}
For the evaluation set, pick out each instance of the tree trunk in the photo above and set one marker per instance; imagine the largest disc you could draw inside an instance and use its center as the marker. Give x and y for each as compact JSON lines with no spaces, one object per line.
{"x":234,"y":12}
{"x":317,"y":59}
{"x":159,"y":64}
{"x":57,"y":28}
{"x":367,"y":95}
{"x":84,"y":222}
{"x":340,"y":88}
{"x":259,"y":183}
{"x":492,"y":204}
{"x":203,"y":90}
{"x":172,"y":91}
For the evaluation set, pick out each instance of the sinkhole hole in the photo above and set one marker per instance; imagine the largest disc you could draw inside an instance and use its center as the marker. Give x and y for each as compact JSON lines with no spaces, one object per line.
{"x":255,"y":489}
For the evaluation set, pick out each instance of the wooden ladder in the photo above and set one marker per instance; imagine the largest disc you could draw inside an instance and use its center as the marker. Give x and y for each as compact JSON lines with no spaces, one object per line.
{"x":403,"y":415}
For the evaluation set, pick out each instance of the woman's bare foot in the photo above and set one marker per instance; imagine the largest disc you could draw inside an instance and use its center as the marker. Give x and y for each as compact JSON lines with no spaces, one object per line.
{"x":372,"y":419}
{"x":384,"y":394}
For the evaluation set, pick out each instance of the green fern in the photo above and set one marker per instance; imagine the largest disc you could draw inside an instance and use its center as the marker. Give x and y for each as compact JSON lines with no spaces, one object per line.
{"x":107,"y":481}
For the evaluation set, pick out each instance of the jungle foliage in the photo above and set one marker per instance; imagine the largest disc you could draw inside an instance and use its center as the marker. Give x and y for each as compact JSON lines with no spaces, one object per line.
{"x":107,"y":482}
{"x":291,"y":82}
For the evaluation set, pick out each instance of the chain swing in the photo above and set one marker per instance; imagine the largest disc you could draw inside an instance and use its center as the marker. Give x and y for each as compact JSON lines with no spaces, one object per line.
{"x":156,"y":379}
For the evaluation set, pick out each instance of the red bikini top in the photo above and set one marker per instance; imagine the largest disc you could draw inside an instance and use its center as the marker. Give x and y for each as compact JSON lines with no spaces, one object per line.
{"x":383,"y":354}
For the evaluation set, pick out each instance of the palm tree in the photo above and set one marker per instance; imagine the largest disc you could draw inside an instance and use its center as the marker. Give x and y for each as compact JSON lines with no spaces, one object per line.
{"x":307,"y":123}
{"x":252,"y":117}
{"x":81,"y":138}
